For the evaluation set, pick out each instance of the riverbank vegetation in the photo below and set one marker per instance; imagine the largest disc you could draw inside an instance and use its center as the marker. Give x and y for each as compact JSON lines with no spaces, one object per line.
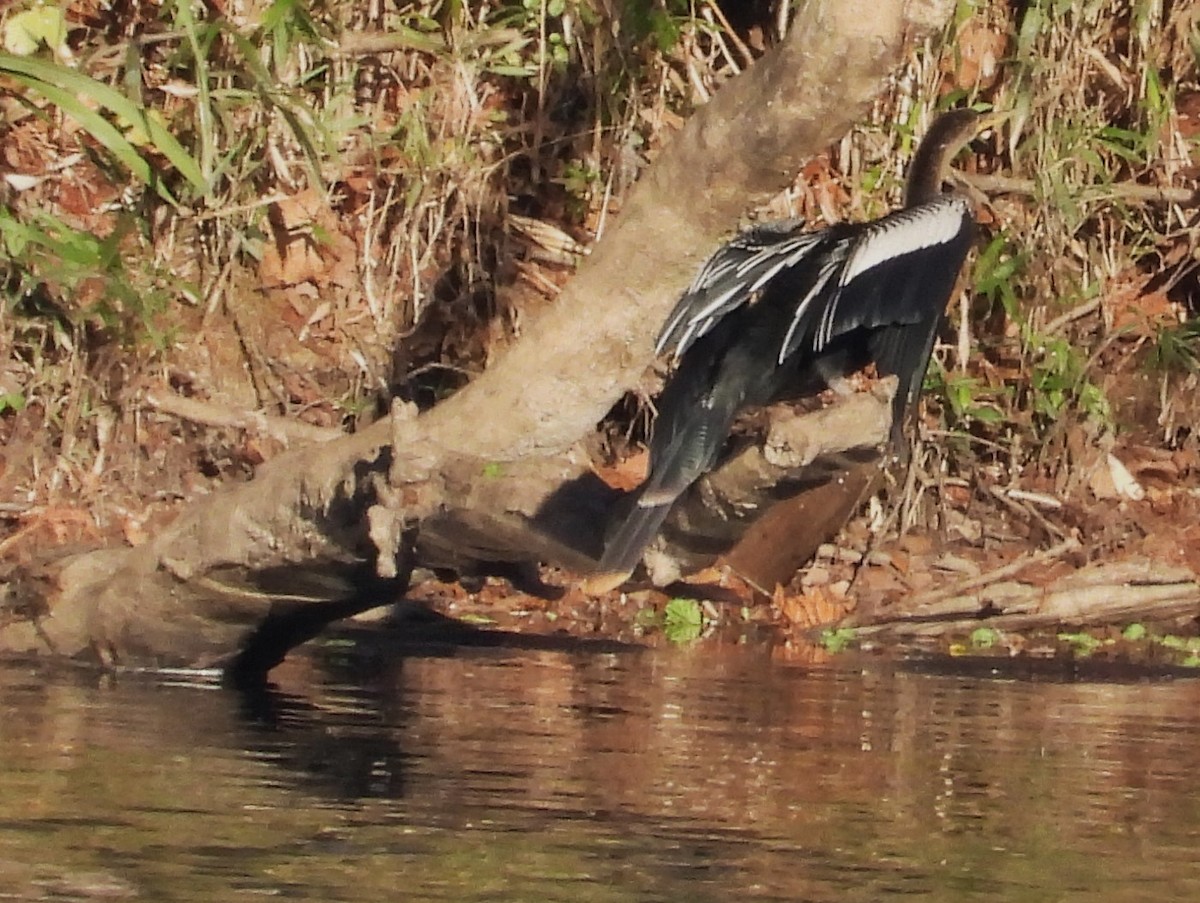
{"x":227,"y":232}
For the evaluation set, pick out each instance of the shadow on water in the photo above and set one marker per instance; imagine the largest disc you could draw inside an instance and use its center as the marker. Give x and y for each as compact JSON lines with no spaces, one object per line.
{"x":478,"y":768}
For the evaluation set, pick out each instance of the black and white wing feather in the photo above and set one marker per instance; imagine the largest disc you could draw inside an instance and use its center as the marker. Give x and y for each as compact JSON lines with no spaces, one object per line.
{"x":731,"y":277}
{"x":773,"y":303}
{"x":839,"y":279}
{"x":891,"y":273}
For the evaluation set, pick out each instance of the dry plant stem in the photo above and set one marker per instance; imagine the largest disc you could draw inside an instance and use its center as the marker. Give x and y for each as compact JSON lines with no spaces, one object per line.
{"x":1075,"y":313}
{"x":155,"y":603}
{"x":923,"y":602}
{"x":1026,"y":511}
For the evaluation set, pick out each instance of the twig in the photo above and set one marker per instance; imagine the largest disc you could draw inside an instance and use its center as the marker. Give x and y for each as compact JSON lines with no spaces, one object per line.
{"x":1126,"y":191}
{"x":1022,"y":506}
{"x":365,"y":43}
{"x":1070,"y":544}
{"x":1033,"y":498}
{"x":713,"y":12}
{"x":1075,"y":313}
{"x":281,"y":428}
{"x":235,"y":209}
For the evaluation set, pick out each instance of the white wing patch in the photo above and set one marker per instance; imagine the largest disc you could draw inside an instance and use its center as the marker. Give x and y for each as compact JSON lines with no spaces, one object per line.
{"x":906,"y":231}
{"x":739,"y":272}
{"x":896,"y":235}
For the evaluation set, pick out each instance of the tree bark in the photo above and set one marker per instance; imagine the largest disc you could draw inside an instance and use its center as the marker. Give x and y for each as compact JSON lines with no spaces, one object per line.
{"x":204,"y":588}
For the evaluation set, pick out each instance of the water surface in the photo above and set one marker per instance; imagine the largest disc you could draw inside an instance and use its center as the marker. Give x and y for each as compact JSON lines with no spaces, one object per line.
{"x":505,"y":775}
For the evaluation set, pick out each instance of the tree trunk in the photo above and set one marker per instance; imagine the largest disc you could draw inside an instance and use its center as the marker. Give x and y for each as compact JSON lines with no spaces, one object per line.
{"x":309,"y":528}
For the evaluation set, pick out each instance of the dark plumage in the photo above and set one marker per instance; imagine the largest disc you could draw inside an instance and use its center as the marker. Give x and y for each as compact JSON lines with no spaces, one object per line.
{"x":778,"y":305}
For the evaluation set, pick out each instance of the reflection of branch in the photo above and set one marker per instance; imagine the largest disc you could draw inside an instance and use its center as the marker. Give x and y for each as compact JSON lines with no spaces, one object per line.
{"x":281,"y":429}
{"x":1126,"y":191}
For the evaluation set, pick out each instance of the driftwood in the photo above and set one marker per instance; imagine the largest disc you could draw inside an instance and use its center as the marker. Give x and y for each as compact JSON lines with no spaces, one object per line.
{"x":256,"y":567}
{"x":1104,"y":592}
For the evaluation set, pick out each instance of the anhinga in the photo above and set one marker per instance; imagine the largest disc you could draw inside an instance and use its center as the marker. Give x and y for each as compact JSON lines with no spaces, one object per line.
{"x":777,"y":305}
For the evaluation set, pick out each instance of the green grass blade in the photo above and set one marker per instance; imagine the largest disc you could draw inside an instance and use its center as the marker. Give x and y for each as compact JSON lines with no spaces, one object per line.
{"x":204,"y":115}
{"x":68,"y":86}
{"x":96,"y":126}
{"x":264,"y":83}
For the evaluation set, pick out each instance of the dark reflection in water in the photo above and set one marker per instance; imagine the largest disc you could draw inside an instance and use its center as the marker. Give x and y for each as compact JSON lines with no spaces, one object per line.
{"x":493,"y":775}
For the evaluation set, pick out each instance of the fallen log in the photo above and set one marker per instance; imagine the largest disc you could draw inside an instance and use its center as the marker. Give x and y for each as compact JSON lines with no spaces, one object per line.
{"x":1109,"y":592}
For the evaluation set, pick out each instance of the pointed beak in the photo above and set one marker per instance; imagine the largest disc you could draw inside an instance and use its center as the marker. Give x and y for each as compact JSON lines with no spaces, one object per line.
{"x":992,"y":120}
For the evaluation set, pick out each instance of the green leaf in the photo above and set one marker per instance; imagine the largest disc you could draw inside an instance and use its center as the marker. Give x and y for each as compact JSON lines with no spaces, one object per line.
{"x":985,"y":414}
{"x":1084,"y":644}
{"x":838,"y":640}
{"x":25,"y":32}
{"x":12,"y":401}
{"x":683,"y":620}
{"x":985,"y":637}
{"x":473,"y":618}
{"x":264,"y":83}
{"x":1134,"y":632}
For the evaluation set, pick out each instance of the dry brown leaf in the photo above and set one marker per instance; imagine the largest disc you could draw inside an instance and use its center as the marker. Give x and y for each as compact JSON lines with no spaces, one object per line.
{"x":876,"y":581}
{"x":1187,"y":104}
{"x":1152,"y":463}
{"x":134,"y":531}
{"x":51,"y":524}
{"x":1131,"y":310}
{"x":916,"y":544}
{"x":816,"y":606}
{"x":976,"y":62}
{"x":628,"y":473}
{"x":817,"y":575}
{"x":958,"y":496}
{"x":1044,"y":573}
{"x":307,"y":244}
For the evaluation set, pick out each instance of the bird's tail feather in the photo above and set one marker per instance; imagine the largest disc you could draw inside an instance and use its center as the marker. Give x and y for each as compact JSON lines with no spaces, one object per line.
{"x":624,"y":549}
{"x":904,"y":351}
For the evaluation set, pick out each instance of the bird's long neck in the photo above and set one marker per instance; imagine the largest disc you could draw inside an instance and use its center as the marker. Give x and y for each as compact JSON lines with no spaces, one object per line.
{"x":949,"y":133}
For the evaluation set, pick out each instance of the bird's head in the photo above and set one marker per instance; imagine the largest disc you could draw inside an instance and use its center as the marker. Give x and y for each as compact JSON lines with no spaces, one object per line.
{"x":946,"y":137}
